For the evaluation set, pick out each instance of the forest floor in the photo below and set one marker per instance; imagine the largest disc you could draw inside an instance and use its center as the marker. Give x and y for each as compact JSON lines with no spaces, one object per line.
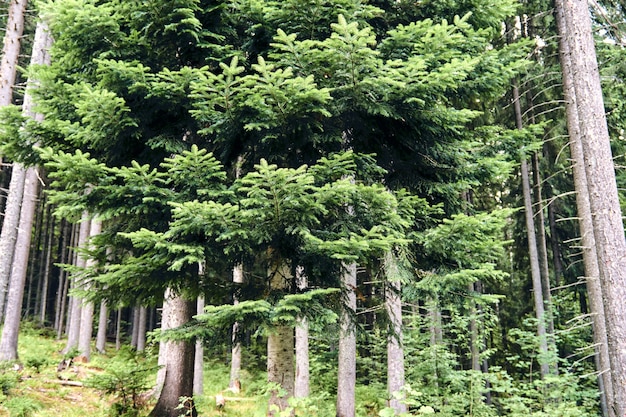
{"x":37,"y":388}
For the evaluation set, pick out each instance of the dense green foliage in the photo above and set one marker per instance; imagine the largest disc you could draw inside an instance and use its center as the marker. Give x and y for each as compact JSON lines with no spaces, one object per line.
{"x":308,"y":134}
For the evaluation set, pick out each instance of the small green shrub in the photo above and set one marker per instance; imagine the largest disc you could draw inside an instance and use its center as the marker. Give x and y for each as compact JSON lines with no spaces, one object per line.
{"x":8,"y":380}
{"x":125,"y":377}
{"x":22,"y":406}
{"x":36,"y":362}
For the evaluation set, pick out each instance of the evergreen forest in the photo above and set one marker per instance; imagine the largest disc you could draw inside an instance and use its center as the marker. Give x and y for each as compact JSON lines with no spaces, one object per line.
{"x":320,"y":207}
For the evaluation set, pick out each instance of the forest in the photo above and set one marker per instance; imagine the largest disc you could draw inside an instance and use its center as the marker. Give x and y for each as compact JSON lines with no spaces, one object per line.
{"x":345,"y":207}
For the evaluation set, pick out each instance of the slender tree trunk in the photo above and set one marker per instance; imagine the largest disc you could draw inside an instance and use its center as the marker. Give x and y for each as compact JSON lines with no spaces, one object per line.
{"x":474,"y":337}
{"x":11,"y":51}
{"x":118,"y":336}
{"x":9,"y":230}
{"x":542,"y":248}
{"x":198,"y":367}
{"x":178,"y":363}
{"x":86,"y":316}
{"x":59,"y":304}
{"x":556,"y":249}
{"x":302,"y":384}
{"x":235,"y":356}
{"x":75,"y":314}
{"x":8,"y":342}
{"x":395,"y":350}
{"x":346,"y":380}
{"x":436,"y":336}
{"x":141,"y":328}
{"x":103,"y":319}
{"x":8,"y":71}
{"x":590,"y":257}
{"x":280,"y":349}
{"x":532,"y":252}
{"x":135,"y":327}
{"x":603,"y":196}
{"x":46,"y":272}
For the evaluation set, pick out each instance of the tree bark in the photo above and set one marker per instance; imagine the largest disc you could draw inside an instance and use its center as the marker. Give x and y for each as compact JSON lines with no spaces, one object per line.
{"x":59,"y":304}
{"x":141,"y":328}
{"x":75,"y":313}
{"x":395,"y":350}
{"x":46,"y":272}
{"x":590,"y":257}
{"x":8,"y":342}
{"x":103,"y":319}
{"x":602,"y":187}
{"x":280,"y":348}
{"x":533,"y":256}
{"x":235,"y":356}
{"x":198,"y":367}
{"x":11,"y":50}
{"x":86,"y":314}
{"x":302,"y":383}
{"x":346,"y":379}
{"x":8,"y":235}
{"x":177,"y":362}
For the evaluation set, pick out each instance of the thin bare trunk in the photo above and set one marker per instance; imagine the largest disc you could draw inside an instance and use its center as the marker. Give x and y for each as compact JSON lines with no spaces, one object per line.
{"x":8,"y":235}
{"x":46,"y":272}
{"x":135,"y":327}
{"x":302,"y":384}
{"x":280,"y":348}
{"x":8,"y":343}
{"x":395,"y":350}
{"x":86,"y":318}
{"x":141,"y":328}
{"x":103,"y":320}
{"x":590,"y":257}
{"x":198,"y":367}
{"x":11,"y":50}
{"x":235,"y":356}
{"x":118,"y":331}
{"x":346,"y":379}
{"x":59,"y":304}
{"x":74,"y":317}
{"x":533,"y":256}
{"x":8,"y":71}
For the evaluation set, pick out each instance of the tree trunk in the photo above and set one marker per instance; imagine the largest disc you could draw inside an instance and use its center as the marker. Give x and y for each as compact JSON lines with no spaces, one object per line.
{"x":86,"y":314}
{"x":235,"y":356}
{"x":11,"y":51}
{"x":533,"y":256}
{"x":177,"y":361}
{"x":141,"y":328}
{"x":280,"y":349}
{"x":75,"y":313}
{"x":103,"y":320}
{"x":46,"y":272}
{"x":590,"y":257}
{"x":198,"y":367}
{"x":302,"y":384}
{"x":474,"y":337}
{"x":346,"y":380}
{"x":556,"y":249}
{"x":8,"y":343}
{"x":118,"y":338}
{"x":8,"y":235}
{"x":59,"y":304}
{"x":603,"y":196}
{"x":395,"y":351}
